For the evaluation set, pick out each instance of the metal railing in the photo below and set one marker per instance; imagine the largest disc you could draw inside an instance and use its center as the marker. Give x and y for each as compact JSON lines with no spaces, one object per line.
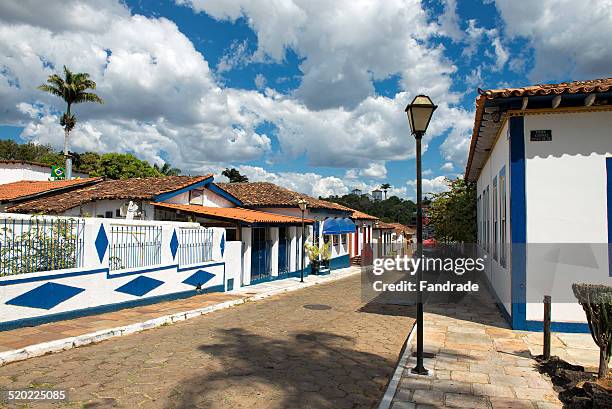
{"x":133,"y":246}
{"x":195,"y":245}
{"x":40,"y":244}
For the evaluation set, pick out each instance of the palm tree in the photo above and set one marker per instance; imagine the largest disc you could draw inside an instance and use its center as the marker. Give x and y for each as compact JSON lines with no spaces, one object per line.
{"x":73,"y":90}
{"x":384,"y":187}
{"x":167,"y":170}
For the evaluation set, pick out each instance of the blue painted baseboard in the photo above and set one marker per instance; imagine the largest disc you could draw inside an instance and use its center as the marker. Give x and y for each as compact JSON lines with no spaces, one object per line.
{"x":281,"y":276}
{"x":29,"y":322}
{"x":339,"y":262}
{"x":556,"y":326}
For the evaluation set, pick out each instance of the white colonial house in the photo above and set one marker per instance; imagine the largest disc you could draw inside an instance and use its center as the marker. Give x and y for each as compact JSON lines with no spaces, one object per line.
{"x":542,"y":159}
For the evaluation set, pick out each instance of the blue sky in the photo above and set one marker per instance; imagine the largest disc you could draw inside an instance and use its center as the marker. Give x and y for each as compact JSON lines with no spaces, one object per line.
{"x":306,"y":94}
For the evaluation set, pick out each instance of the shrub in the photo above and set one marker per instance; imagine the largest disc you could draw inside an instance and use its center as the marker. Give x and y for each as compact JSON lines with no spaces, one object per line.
{"x":596,"y":300}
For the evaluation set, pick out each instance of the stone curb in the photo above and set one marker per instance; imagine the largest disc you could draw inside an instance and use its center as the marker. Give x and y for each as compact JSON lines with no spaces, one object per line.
{"x":59,"y":345}
{"x":387,"y":399}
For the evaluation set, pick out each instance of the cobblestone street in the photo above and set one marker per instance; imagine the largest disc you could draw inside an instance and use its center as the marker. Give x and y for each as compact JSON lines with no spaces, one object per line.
{"x":313,"y":348}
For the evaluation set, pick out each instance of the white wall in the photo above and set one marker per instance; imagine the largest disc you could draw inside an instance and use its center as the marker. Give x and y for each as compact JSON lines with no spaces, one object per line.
{"x":205,"y":197}
{"x":246,"y":255}
{"x":233,"y":261}
{"x":499,"y":277}
{"x":566,"y":203}
{"x":14,"y":172}
{"x":99,"y":282}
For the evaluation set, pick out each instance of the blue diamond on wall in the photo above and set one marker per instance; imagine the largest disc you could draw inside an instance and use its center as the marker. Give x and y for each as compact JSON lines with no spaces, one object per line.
{"x":139,"y":286}
{"x":101,"y":243}
{"x":46,"y":296}
{"x":199,"y":278}
{"x":174,"y":244}
{"x":222,"y":244}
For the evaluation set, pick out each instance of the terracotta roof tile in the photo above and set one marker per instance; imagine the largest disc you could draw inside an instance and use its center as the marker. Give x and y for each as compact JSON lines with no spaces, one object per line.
{"x":239,"y":214}
{"x":25,"y":188}
{"x":400,"y":228}
{"x":574,"y":87}
{"x":266,"y":194}
{"x":136,"y":188}
{"x":357,"y":215}
{"x":385,"y":226}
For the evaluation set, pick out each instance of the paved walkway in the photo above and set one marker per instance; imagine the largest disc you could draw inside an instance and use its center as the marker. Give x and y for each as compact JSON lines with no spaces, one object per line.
{"x":479,"y":362}
{"x":315,"y":348}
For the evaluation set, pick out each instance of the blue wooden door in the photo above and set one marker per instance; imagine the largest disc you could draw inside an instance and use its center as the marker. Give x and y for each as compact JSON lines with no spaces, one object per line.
{"x":260,"y":255}
{"x":283,"y":251}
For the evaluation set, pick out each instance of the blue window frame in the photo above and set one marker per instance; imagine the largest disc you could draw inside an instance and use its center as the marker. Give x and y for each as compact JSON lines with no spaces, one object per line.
{"x":503,"y":229}
{"x":495,"y":223}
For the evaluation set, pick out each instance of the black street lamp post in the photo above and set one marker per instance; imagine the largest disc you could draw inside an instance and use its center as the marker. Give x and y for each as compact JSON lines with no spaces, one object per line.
{"x":419,"y":113}
{"x":303,"y":204}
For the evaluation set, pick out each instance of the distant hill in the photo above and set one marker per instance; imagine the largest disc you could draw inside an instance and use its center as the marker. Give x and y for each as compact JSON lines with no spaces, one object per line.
{"x":391,"y":210}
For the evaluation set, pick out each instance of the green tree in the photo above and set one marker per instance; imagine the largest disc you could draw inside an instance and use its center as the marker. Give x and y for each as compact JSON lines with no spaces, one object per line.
{"x":123,"y":166}
{"x":234,"y":175}
{"x":384,"y":187}
{"x":167,"y":170}
{"x":86,"y":162}
{"x":73,"y":90}
{"x":453,"y":213}
{"x":391,"y":210}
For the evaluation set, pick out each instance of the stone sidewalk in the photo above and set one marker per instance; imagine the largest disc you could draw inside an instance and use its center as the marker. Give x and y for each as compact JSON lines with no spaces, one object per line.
{"x":27,"y":342}
{"x":479,"y":362}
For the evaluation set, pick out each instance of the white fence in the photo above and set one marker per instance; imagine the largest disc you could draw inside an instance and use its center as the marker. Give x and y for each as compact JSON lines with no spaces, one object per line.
{"x":56,"y":267}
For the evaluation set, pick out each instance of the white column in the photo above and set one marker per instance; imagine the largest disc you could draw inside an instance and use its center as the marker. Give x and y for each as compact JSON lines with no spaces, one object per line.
{"x":274,"y":250}
{"x":292,"y":247}
{"x":246,"y":259}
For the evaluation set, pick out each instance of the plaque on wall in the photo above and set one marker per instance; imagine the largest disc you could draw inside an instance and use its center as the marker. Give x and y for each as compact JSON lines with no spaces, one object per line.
{"x":540,"y":135}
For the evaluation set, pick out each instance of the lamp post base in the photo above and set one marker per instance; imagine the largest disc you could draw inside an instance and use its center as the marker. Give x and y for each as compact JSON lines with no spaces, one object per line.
{"x":419,"y":370}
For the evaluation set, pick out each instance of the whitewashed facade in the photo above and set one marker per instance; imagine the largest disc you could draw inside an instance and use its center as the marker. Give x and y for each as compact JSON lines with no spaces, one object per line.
{"x":544,"y":192}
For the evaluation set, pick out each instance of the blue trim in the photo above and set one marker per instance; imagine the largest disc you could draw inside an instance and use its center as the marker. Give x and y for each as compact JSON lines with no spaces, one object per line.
{"x":105,"y":270}
{"x":165,"y":196}
{"x":556,"y":326}
{"x":518,"y":221}
{"x":52,"y":277}
{"x":281,"y":276}
{"x":46,"y":296}
{"x":339,"y":262}
{"x":144,"y":270}
{"x":609,"y":203}
{"x":179,"y":269}
{"x":174,"y":244}
{"x":226,"y":195}
{"x":28,"y":322}
{"x":139,"y":286}
{"x":199,"y":278}
{"x":101,"y":242}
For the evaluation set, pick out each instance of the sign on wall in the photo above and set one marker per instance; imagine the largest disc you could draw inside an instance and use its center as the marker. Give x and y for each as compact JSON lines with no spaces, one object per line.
{"x":540,"y":135}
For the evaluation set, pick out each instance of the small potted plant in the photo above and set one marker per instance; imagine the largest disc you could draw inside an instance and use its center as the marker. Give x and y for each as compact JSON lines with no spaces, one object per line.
{"x":313,"y":252}
{"x":325,"y":253}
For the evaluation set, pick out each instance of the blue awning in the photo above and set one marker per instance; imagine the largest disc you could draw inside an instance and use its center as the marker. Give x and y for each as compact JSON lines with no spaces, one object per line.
{"x":338,"y":226}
